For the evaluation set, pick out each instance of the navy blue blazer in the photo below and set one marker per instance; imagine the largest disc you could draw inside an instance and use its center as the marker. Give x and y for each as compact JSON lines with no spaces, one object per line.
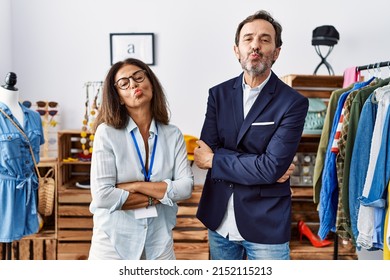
{"x":250,"y":155}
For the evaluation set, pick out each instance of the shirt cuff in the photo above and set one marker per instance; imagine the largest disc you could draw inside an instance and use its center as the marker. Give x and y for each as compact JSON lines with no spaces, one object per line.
{"x":166,"y":200}
{"x":122,"y":199}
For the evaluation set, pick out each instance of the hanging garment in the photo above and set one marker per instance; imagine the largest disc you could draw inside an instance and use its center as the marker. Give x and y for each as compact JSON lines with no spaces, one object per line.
{"x":351,"y":76}
{"x":324,"y":139}
{"x":348,"y":136}
{"x":360,"y":159}
{"x":367,"y":234}
{"x":339,"y":145}
{"x":329,"y":190}
{"x":386,"y":238}
{"x":18,"y":180}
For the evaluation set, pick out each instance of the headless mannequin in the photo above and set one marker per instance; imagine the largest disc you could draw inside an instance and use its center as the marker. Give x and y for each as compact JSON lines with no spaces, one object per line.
{"x":9,"y":95}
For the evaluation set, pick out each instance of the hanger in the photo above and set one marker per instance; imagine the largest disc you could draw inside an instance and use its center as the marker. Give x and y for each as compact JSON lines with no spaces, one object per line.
{"x":388,"y":66}
{"x":378,"y":71}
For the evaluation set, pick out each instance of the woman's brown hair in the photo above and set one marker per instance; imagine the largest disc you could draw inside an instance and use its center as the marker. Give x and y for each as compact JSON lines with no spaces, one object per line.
{"x":114,"y":114}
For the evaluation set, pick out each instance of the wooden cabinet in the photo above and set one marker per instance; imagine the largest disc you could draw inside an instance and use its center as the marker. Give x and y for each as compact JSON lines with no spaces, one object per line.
{"x":303,"y":206}
{"x":74,"y":221}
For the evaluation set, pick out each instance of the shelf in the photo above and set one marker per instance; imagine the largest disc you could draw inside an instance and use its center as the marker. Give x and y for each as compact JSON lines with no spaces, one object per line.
{"x":76,"y":162}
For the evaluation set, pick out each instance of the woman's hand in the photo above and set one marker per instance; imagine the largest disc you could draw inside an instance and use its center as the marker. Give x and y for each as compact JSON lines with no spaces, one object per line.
{"x":136,"y":201}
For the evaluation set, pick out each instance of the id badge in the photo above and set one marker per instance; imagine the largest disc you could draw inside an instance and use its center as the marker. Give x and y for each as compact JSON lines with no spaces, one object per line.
{"x":148,"y":212}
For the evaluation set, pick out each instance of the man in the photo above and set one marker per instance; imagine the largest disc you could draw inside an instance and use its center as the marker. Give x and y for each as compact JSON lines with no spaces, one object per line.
{"x":250,"y":135}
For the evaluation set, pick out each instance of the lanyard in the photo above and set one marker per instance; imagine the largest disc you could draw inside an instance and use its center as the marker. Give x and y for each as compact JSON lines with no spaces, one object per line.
{"x":146,"y":176}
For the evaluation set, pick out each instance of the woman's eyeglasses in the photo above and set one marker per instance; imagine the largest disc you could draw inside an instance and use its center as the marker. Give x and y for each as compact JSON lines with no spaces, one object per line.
{"x":138,"y":77}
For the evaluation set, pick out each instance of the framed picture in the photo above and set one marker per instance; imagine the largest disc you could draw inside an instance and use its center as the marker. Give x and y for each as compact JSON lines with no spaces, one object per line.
{"x":136,"y":45}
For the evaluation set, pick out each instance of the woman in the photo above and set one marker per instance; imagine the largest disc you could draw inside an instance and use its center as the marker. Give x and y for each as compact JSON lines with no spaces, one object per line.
{"x":139,"y":168}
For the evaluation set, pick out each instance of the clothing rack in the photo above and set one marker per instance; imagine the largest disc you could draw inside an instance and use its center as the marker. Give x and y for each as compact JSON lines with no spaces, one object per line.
{"x":358,"y":69}
{"x":373,"y":66}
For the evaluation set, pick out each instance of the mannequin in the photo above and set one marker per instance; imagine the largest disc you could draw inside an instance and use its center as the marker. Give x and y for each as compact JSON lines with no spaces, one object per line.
{"x":9,"y":95}
{"x":18,"y":178}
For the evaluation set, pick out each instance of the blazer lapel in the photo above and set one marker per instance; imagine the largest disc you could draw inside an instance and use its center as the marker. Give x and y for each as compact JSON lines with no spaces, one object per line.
{"x":238,"y":111}
{"x":261,"y":102}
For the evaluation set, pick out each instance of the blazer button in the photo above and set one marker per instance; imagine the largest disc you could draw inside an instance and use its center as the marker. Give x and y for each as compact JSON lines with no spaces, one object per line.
{"x":231,"y":186}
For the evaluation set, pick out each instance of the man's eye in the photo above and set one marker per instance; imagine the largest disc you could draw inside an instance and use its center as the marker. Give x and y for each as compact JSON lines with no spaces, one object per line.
{"x":265,"y":40}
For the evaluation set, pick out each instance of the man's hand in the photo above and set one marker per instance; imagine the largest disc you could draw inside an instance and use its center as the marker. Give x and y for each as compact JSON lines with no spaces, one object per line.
{"x":203,"y":155}
{"x":287,"y":175}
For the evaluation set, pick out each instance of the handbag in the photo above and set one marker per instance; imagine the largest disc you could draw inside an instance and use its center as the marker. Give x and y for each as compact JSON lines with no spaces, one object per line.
{"x":46,"y":184}
{"x":315,"y":117}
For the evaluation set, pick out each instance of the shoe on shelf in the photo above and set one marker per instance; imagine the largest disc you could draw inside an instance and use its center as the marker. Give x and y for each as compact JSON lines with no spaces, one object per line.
{"x":303,"y":229}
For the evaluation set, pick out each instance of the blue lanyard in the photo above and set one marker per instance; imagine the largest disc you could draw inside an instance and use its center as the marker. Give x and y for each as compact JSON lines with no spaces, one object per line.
{"x":146,"y":175}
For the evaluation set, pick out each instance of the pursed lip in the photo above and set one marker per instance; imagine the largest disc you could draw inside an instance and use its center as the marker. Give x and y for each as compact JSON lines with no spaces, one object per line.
{"x":137,"y":92}
{"x":255,"y":55}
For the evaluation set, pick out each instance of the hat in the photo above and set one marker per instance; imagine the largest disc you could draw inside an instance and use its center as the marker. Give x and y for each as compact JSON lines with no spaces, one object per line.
{"x":191,"y":145}
{"x":325,"y":35}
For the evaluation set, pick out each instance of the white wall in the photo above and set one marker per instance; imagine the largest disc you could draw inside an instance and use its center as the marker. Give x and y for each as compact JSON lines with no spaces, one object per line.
{"x":6,"y":39}
{"x":59,"y":45}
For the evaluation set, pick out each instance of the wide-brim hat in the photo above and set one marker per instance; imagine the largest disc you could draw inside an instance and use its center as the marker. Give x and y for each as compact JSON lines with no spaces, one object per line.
{"x":325,"y":35}
{"x":191,"y":145}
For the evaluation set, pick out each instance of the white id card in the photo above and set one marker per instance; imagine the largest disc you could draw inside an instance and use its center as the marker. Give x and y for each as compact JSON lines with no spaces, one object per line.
{"x":149,"y":212}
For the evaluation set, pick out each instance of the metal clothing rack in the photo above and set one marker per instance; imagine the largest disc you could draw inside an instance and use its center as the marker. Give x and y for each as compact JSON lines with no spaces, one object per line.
{"x":373,"y":66}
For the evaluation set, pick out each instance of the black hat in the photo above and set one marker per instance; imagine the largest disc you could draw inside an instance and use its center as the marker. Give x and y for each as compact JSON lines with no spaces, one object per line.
{"x":325,"y":35}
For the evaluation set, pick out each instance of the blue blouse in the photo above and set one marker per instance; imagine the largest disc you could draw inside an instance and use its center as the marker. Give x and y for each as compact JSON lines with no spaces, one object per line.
{"x":18,"y":180}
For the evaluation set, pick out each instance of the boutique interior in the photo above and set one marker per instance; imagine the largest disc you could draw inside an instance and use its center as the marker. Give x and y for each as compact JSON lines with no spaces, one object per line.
{"x":56,"y":58}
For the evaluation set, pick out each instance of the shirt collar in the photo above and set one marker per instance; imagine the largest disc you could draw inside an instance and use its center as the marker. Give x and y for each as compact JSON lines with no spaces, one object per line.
{"x":133,"y":126}
{"x":256,"y":89}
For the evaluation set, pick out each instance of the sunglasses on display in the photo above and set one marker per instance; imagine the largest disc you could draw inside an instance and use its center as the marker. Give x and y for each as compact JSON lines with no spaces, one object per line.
{"x":27,"y":103}
{"x":50,"y":112}
{"x":43,"y":104}
{"x":42,"y":108}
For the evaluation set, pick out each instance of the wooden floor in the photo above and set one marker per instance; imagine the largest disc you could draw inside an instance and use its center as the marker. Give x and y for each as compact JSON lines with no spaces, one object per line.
{"x":305,"y":251}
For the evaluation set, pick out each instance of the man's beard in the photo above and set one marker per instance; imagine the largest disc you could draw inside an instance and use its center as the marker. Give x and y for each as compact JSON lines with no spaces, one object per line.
{"x":262,"y":65}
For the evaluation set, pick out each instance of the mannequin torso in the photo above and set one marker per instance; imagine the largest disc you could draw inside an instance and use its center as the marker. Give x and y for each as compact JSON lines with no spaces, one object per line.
{"x":11,"y":99}
{"x":18,"y":177}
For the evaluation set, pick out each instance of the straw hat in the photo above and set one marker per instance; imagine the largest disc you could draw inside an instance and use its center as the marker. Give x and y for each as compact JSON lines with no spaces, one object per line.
{"x":191,"y":145}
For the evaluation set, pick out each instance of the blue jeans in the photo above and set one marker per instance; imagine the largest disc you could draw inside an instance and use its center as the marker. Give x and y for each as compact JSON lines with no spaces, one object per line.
{"x":222,"y":248}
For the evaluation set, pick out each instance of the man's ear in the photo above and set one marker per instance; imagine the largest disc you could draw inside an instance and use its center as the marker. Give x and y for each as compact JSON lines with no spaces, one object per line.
{"x":236,"y":52}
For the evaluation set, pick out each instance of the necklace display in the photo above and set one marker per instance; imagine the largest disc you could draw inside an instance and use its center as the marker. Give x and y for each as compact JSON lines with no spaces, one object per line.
{"x":91,"y":110}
